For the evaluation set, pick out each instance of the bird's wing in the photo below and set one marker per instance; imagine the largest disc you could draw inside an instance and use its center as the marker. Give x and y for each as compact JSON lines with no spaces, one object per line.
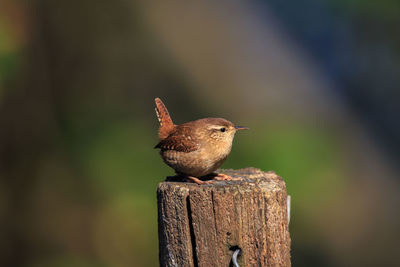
{"x":180,"y":140}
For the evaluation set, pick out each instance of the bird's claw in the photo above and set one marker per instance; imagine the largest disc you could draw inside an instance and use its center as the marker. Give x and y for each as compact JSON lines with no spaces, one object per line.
{"x":197,"y":180}
{"x":222,"y":177}
{"x":217,"y":177}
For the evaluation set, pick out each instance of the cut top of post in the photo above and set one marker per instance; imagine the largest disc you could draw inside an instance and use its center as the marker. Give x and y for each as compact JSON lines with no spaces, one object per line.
{"x":244,"y":179}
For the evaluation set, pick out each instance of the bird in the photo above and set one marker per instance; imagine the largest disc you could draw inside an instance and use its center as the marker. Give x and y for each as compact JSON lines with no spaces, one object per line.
{"x":195,"y":149}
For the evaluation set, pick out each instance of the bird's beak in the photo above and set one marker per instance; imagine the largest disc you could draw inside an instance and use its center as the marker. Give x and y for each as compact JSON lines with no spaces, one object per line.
{"x":240,"y":128}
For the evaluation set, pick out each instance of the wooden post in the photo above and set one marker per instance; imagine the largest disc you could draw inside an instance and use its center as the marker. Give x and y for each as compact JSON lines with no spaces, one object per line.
{"x":203,"y":225}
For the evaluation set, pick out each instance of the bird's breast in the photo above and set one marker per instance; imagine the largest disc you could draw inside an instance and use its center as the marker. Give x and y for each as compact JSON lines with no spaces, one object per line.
{"x":196,"y":163}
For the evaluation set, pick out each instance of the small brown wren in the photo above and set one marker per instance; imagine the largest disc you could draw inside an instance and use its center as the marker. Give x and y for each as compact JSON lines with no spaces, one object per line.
{"x":195,"y":149}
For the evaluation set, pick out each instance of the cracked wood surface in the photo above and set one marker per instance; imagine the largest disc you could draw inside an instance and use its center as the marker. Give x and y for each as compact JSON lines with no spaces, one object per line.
{"x":202,"y":225}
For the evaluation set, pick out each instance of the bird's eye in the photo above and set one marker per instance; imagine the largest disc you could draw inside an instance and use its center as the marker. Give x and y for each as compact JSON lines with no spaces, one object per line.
{"x":222,"y":129}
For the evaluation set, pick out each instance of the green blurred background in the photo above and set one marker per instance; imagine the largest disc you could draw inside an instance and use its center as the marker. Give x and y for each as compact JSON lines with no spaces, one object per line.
{"x":317,"y":82}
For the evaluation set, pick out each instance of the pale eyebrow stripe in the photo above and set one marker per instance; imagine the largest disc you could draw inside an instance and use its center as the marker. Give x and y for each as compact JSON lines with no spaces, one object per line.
{"x":216,"y":127}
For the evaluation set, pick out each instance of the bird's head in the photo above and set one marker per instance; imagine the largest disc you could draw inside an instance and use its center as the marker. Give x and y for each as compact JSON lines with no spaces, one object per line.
{"x":220,"y":130}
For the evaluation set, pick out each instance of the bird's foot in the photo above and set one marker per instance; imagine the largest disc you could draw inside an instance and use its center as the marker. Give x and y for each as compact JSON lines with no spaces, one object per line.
{"x":224,"y":177}
{"x":197,"y":180}
{"x":215,"y":177}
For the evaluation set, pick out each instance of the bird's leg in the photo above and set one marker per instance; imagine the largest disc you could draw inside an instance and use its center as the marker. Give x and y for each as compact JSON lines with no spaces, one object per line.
{"x":214,"y":177}
{"x":197,"y":180}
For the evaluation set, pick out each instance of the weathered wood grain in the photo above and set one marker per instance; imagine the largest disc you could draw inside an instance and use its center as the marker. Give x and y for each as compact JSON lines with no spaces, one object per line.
{"x":202,"y":225}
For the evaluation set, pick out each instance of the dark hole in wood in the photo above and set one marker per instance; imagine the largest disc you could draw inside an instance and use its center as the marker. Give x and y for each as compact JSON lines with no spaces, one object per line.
{"x":233,"y":249}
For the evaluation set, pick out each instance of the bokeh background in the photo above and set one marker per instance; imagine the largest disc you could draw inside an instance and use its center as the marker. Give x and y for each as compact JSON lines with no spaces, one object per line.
{"x":317,"y":82}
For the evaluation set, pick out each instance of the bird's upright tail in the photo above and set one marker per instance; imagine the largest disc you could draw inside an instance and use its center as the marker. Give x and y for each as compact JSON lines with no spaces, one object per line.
{"x":166,"y":124}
